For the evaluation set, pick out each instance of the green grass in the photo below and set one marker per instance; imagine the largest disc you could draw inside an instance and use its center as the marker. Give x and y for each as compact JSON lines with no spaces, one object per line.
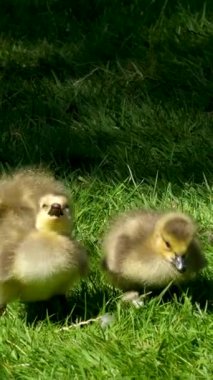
{"x":117,"y":98}
{"x":168,"y":338}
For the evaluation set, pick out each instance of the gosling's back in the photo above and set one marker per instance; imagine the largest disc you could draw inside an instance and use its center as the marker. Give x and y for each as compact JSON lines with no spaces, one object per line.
{"x":23,"y":188}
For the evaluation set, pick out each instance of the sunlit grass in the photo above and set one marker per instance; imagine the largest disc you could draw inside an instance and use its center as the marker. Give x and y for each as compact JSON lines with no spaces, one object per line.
{"x":167,"y":338}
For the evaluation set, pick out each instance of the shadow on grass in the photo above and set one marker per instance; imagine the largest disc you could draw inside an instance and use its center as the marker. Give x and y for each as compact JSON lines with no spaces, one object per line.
{"x":80,"y":306}
{"x":200,"y":293}
{"x":86,"y":80}
{"x":87,"y":304}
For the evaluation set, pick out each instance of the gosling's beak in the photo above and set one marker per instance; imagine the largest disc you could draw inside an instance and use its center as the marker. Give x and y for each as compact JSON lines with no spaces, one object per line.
{"x":180,"y":263}
{"x":56,"y":210}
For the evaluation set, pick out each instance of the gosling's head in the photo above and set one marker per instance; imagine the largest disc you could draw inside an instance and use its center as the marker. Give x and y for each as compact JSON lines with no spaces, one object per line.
{"x":54,"y":214}
{"x":174,"y":233}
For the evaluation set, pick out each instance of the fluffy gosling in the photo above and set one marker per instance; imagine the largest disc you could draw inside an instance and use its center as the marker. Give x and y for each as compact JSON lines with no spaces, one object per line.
{"x":149,"y":250}
{"x":45,"y":262}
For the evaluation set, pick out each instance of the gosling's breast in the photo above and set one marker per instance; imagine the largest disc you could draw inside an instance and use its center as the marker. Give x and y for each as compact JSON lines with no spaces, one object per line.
{"x":151,"y":272}
{"x":39,"y":259}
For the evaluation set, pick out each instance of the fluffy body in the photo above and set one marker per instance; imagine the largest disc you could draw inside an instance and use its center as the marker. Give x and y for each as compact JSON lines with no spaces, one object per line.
{"x":45,"y":264}
{"x":38,"y":258}
{"x":140,"y":246}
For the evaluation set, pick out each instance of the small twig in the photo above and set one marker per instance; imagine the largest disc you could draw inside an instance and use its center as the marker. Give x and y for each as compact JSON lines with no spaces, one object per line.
{"x":82,"y":323}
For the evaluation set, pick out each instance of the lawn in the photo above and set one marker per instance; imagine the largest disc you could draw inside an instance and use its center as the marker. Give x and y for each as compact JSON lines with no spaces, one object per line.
{"x":117,"y":98}
{"x":167,"y":338}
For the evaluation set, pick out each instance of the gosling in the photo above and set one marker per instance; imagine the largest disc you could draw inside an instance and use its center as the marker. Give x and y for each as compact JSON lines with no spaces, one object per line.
{"x":46,"y":261}
{"x":148,"y":250}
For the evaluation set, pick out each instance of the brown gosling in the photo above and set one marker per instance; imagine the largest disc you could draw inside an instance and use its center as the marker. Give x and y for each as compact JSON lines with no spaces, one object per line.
{"x":147,"y":250}
{"x":45,"y":261}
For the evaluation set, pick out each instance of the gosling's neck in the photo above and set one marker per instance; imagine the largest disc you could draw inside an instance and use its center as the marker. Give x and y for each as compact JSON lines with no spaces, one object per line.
{"x":54,"y":226}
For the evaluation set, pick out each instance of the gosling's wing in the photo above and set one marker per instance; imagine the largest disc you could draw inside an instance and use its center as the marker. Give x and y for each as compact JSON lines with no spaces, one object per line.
{"x":6,"y":265}
{"x":37,"y":182}
{"x":10,"y":194}
{"x":116,"y":253}
{"x":135,"y":224}
{"x":25,"y":187}
{"x":126,"y":234}
{"x":14,"y":226}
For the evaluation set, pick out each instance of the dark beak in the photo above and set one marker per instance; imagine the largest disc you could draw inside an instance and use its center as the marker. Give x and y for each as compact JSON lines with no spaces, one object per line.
{"x":180,"y":263}
{"x":55,"y":210}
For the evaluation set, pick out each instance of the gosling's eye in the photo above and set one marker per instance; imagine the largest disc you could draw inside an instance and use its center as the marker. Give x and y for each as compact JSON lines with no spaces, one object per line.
{"x":168,"y":245}
{"x":66,"y":207}
{"x":44,"y":205}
